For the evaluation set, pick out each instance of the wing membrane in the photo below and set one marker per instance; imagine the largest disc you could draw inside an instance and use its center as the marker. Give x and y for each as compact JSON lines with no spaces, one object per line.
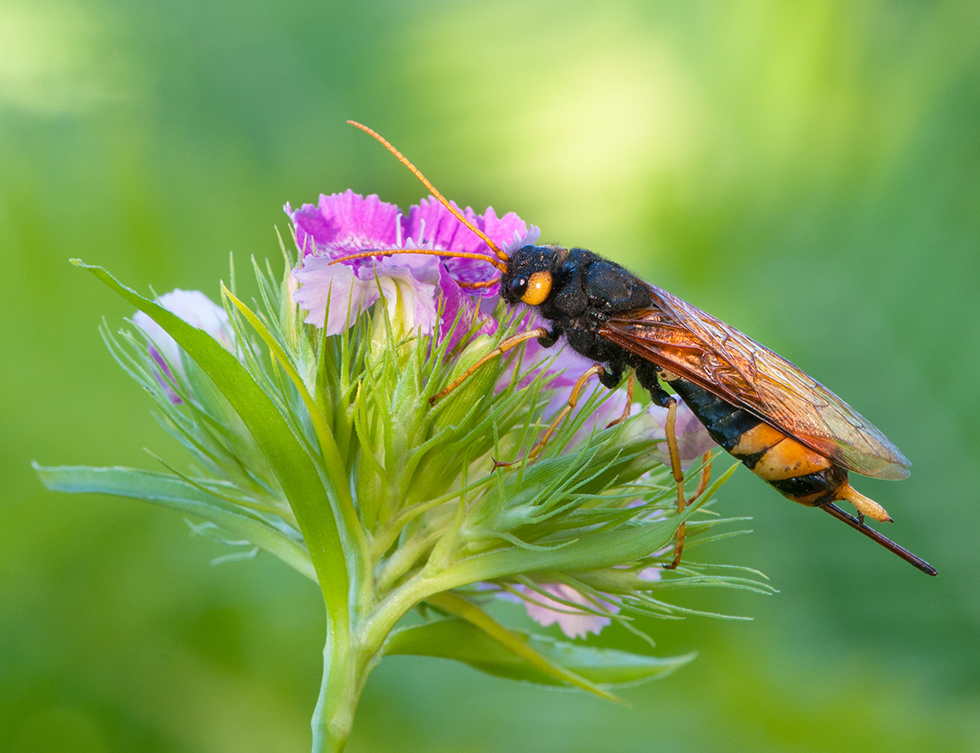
{"x":693,"y":344}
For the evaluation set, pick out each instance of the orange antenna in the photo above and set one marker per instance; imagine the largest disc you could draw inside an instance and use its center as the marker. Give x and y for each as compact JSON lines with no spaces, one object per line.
{"x":428,"y":252}
{"x":478,"y":284}
{"x":501,"y":256}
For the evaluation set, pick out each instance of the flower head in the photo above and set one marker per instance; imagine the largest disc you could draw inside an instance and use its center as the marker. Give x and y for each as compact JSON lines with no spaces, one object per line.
{"x":422,"y":292}
{"x":335,"y":294}
{"x":357,"y":461}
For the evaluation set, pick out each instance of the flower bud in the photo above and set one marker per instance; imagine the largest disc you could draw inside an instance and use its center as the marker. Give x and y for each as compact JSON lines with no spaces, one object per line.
{"x":196,"y":309}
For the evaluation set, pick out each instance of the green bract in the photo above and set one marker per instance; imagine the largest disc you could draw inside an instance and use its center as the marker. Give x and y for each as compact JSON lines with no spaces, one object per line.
{"x":325,"y":452}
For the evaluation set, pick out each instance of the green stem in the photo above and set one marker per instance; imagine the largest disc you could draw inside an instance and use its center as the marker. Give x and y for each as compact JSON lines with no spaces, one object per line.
{"x":340,"y":689}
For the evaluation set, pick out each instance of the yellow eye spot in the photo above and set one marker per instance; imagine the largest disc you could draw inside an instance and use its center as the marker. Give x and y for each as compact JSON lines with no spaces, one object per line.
{"x":538,"y":288}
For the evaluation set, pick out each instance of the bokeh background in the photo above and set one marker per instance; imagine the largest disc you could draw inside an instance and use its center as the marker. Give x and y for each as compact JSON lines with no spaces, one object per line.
{"x":808,"y":171}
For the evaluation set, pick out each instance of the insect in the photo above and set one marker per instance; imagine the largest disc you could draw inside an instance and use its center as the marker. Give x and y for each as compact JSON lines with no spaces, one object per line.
{"x":779,"y":422}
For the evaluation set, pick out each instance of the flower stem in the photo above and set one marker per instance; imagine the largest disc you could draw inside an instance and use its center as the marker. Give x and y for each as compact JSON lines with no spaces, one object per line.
{"x":340,"y":690}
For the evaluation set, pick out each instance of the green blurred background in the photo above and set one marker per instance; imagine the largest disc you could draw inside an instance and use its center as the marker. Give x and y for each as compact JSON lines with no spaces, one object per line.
{"x":808,"y":171}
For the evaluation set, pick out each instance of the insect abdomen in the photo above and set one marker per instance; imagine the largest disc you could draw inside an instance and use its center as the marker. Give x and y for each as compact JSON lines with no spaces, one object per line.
{"x":792,"y":468}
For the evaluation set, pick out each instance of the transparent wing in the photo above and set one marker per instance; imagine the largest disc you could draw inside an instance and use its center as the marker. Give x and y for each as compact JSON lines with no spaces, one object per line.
{"x":693,"y":344}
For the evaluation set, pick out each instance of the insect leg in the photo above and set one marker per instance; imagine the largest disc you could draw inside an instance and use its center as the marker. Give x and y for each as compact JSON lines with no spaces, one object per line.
{"x":705,"y":477}
{"x":675,"y":467}
{"x":595,"y":370}
{"x":629,"y":402}
{"x":648,"y":376}
{"x":506,"y":344}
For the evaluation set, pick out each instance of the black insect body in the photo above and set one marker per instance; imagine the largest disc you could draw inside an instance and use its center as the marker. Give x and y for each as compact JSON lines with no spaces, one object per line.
{"x":578,"y":291}
{"x":783,"y":425}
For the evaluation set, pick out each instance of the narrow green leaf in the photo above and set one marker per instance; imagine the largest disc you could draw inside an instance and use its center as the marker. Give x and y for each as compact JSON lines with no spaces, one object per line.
{"x":515,"y":644}
{"x":462,"y":641}
{"x":170,"y":491}
{"x":314,"y":504}
{"x":328,"y":447}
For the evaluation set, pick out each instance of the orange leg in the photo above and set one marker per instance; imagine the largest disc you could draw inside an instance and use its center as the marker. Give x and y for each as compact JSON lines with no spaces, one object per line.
{"x":595,"y":370}
{"x":592,"y":371}
{"x":675,"y":468}
{"x":705,"y":477}
{"x":505,"y":345}
{"x":629,"y":402}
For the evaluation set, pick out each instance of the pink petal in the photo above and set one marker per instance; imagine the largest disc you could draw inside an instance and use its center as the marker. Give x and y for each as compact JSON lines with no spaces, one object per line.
{"x":320,"y":282}
{"x":573,"y":624}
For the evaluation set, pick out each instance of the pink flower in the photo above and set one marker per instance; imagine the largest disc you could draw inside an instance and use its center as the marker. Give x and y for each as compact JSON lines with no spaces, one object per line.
{"x":573,"y":622}
{"x":421,"y":291}
{"x":345,"y":223}
{"x":336,"y":294}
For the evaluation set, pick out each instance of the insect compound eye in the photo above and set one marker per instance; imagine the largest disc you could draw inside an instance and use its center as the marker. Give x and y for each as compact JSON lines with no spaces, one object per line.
{"x":518,"y":286}
{"x":538,"y":287}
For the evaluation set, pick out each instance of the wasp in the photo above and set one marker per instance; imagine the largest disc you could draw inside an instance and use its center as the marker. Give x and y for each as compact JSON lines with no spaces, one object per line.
{"x":780,"y":423}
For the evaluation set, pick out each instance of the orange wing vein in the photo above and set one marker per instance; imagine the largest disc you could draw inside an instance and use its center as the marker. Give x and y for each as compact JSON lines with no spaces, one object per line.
{"x":694,"y":345}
